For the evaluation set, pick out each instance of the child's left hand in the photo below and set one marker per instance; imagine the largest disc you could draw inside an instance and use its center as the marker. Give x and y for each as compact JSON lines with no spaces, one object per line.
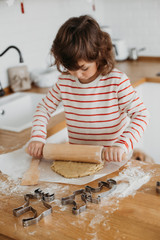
{"x":114,"y":154}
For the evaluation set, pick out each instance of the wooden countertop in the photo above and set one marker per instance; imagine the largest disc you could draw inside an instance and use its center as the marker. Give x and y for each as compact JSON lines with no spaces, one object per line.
{"x":132,"y":218}
{"x":141,"y":70}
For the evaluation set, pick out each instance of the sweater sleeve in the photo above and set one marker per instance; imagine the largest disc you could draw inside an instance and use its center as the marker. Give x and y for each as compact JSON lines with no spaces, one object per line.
{"x":43,"y":113}
{"x":130,"y":103}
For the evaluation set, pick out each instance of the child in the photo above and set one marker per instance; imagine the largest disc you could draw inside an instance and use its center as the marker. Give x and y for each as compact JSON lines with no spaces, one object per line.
{"x":98,"y":99}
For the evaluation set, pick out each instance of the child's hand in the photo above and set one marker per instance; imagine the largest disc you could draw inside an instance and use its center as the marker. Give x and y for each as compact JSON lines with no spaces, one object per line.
{"x":35,"y":149}
{"x":114,"y":154}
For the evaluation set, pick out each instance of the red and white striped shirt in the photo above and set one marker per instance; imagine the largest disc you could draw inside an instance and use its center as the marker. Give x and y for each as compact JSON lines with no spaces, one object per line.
{"x":106,"y":111}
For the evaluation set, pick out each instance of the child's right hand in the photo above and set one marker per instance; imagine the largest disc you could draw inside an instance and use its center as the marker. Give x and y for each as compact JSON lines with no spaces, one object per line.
{"x":114,"y":153}
{"x":35,"y":149}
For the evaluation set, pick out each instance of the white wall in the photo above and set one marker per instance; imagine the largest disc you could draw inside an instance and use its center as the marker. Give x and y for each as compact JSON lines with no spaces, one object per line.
{"x":137,"y":21}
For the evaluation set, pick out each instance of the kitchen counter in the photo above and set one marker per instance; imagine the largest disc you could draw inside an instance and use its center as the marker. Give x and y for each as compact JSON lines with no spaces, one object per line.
{"x":141,"y":70}
{"x":134,"y":217}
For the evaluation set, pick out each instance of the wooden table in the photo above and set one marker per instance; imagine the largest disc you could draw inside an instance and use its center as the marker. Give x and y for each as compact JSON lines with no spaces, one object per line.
{"x":132,"y":218}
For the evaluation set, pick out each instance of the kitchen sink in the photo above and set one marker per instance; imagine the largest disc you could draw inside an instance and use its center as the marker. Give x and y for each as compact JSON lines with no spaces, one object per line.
{"x":17,"y":110}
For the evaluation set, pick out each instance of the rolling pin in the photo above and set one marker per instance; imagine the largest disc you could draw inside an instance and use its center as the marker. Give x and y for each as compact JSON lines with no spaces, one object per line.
{"x":70,"y":152}
{"x":74,"y":153}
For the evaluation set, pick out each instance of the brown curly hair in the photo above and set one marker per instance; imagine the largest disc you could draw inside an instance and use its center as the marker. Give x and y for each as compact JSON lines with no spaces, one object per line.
{"x":80,"y":38}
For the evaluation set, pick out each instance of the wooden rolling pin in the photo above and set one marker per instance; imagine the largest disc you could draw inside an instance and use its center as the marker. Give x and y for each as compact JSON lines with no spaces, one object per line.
{"x":74,"y":153}
{"x":71,"y":152}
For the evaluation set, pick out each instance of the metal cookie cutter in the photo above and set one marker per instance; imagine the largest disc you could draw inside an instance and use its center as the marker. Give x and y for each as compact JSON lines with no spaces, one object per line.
{"x":38,"y":194}
{"x":71,"y":200}
{"x":158,"y":187}
{"x":110,"y":184}
{"x":86,"y":195}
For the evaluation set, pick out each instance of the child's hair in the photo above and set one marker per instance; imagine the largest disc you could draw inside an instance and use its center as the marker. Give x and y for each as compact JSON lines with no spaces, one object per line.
{"x":80,"y":38}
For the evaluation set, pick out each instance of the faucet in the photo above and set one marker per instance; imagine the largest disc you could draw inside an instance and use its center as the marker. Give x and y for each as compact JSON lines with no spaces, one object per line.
{"x":20,"y":54}
{"x":20,"y":60}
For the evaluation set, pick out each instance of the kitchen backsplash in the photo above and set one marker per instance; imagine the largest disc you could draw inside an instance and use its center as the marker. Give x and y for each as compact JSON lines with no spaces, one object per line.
{"x":32,"y":32}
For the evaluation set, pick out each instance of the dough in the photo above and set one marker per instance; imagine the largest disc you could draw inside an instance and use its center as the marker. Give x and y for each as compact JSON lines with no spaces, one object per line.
{"x":75,"y":169}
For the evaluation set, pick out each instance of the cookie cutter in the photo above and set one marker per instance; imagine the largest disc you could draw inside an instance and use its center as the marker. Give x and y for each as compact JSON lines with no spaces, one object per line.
{"x":86,"y":195}
{"x":38,"y":194}
{"x":110,"y":184}
{"x":71,"y":200}
{"x":158,"y":187}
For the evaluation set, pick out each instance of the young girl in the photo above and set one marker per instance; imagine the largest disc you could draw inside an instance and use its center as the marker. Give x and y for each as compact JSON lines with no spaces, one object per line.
{"x":98,"y":99}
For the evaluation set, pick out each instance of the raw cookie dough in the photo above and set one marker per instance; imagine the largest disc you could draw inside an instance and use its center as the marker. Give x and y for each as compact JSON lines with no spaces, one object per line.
{"x":75,"y":169}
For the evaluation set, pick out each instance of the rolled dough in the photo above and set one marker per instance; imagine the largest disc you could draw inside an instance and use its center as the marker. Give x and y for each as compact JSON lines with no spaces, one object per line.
{"x":70,"y":169}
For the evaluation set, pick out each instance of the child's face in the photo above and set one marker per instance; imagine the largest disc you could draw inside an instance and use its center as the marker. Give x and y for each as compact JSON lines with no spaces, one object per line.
{"x":87,"y":72}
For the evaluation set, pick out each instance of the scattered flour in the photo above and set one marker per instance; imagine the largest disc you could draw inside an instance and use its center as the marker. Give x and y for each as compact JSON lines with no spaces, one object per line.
{"x":94,"y":236}
{"x":10,"y":186}
{"x":32,"y":233}
{"x":99,"y":218}
{"x":130,"y":180}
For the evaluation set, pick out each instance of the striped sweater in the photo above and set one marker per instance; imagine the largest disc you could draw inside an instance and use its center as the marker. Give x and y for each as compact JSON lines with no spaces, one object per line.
{"x":106,"y":111}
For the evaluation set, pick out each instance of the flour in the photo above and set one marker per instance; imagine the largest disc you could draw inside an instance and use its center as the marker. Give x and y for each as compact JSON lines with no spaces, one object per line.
{"x":10,"y":186}
{"x":99,"y":218}
{"x":128,"y":182}
{"x":32,"y":233}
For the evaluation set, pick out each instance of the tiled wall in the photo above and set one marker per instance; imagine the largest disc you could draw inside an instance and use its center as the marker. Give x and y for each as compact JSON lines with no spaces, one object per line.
{"x":136,"y":21}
